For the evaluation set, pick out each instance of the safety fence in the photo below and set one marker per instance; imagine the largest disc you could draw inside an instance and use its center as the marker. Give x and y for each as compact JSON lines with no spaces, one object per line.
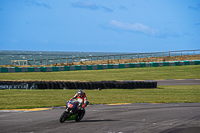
{"x":76,"y":85}
{"x":96,"y":59}
{"x":96,"y":67}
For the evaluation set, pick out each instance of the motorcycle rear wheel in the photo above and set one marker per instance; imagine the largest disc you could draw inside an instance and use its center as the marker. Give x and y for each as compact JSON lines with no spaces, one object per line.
{"x":80,"y":116}
{"x":64,"y":117}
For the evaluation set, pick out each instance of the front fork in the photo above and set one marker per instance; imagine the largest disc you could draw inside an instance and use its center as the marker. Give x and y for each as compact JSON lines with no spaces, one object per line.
{"x":70,"y":111}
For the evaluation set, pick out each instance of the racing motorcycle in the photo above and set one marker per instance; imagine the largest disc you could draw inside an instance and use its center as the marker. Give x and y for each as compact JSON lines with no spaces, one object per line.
{"x":72,"y":112}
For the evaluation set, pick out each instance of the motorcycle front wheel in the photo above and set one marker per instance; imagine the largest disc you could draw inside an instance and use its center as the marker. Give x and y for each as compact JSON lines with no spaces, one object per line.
{"x":64,"y":117}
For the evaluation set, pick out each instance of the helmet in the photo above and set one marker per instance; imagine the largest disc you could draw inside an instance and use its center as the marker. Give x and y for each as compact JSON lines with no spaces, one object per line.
{"x":80,"y":92}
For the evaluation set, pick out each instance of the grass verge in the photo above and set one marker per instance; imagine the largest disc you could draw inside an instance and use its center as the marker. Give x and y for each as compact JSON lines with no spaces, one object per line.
{"x":19,"y":99}
{"x":145,"y":73}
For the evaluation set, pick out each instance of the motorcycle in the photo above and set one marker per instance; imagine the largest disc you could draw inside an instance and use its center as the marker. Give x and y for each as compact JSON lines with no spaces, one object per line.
{"x":72,"y":112}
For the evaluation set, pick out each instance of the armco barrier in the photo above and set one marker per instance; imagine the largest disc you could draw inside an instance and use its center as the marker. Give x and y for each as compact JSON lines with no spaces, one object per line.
{"x":175,"y":63}
{"x":76,"y":85}
{"x":97,"y":67}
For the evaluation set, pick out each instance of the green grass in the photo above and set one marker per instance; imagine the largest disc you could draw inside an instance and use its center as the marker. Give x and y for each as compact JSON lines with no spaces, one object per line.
{"x":146,"y":73}
{"x":12,"y":99}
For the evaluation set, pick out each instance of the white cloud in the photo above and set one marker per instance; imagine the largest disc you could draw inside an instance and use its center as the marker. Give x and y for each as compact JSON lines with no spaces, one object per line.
{"x":33,"y":2}
{"x":141,"y":28}
{"x":196,"y":8}
{"x":136,"y":27}
{"x":85,"y":4}
{"x":107,"y":9}
{"x":123,"y":8}
{"x":91,"y":6}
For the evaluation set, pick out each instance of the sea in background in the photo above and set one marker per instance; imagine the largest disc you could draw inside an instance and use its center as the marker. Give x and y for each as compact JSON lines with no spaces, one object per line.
{"x":7,"y":56}
{"x":35,"y":57}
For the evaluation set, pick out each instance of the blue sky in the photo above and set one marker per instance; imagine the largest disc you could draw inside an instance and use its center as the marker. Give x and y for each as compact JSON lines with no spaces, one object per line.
{"x":100,"y":26}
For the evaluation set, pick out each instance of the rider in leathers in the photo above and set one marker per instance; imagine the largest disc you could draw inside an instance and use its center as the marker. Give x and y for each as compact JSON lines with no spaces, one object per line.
{"x":81,"y":95}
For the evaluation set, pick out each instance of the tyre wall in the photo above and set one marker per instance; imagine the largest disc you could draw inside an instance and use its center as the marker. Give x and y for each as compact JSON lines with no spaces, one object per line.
{"x":77,"y":85}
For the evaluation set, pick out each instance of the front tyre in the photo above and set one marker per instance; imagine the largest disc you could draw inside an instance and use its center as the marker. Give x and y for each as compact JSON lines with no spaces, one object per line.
{"x":64,"y":116}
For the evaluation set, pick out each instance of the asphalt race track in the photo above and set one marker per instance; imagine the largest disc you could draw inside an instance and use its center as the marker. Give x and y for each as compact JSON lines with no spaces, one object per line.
{"x":129,"y":118}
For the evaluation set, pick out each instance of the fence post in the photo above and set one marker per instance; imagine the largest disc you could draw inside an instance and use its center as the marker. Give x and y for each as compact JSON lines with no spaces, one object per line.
{"x":39,"y":61}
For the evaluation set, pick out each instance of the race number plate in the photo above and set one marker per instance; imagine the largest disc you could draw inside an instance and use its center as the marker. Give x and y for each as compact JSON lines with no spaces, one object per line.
{"x":70,"y":105}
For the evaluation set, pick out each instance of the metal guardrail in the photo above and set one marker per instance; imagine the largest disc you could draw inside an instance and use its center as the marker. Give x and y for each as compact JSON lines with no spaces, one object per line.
{"x":19,"y":62}
{"x":63,"y":61}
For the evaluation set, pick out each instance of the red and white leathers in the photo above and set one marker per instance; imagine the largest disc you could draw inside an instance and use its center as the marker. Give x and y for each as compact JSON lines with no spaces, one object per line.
{"x":84,"y":99}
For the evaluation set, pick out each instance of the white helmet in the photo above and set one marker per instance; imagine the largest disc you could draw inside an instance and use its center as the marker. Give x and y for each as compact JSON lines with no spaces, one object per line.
{"x":80,"y":92}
